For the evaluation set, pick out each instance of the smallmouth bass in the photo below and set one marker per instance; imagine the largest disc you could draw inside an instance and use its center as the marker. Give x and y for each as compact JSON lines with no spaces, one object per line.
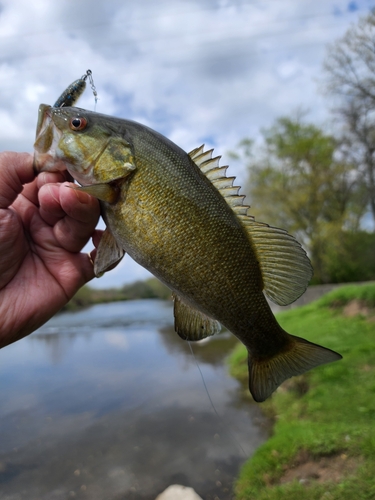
{"x":179,"y":216}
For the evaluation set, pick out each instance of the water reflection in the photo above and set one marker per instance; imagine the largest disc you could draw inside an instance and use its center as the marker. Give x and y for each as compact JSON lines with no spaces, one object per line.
{"x":108,"y":403}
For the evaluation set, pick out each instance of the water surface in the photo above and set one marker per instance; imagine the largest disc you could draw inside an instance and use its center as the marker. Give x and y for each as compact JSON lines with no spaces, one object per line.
{"x":108,"y":403}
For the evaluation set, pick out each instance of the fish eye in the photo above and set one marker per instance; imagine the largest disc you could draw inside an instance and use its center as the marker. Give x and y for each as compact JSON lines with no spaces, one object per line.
{"x":78,"y":123}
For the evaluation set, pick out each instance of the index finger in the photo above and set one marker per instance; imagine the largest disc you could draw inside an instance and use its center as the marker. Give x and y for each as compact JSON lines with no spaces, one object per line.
{"x":73,"y":214}
{"x":16,"y":169}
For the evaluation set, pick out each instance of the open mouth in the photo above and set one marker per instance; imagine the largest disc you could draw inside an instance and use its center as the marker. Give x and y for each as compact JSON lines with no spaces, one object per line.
{"x":46,"y":142}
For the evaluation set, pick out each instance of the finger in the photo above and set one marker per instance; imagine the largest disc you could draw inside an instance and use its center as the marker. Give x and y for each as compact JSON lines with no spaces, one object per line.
{"x":77,"y":204}
{"x":52,"y":178}
{"x":82,"y":214}
{"x":81,"y":270}
{"x":16,"y":169}
{"x":49,"y":202}
{"x":56,"y":202}
{"x":12,"y":244}
{"x":30,"y":191}
{"x":97,"y":236}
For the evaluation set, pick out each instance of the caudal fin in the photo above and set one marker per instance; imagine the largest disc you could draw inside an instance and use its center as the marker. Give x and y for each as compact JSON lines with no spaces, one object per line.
{"x":266,"y":375}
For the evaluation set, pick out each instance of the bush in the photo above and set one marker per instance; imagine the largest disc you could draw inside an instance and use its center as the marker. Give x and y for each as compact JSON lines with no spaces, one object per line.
{"x":351,"y":258}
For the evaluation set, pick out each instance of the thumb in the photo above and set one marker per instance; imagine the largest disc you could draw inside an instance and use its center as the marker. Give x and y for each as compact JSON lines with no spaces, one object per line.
{"x":16,"y":169}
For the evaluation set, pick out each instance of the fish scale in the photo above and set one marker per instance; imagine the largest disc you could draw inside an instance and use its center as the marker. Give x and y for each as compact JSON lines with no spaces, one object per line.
{"x":181,"y":217}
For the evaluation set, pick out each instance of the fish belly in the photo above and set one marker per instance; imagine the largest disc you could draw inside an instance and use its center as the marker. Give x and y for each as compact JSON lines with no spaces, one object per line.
{"x":200,"y":251}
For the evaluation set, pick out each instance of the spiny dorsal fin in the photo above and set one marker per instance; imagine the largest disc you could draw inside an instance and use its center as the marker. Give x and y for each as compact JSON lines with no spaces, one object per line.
{"x":210,"y":167}
{"x":196,"y":152}
{"x":285,"y":267}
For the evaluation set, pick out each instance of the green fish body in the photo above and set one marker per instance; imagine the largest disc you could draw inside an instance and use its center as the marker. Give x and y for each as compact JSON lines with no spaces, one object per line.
{"x":180,"y":217}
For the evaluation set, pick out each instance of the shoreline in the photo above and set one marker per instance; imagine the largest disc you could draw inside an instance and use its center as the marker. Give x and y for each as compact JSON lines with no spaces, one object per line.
{"x":323,"y":441}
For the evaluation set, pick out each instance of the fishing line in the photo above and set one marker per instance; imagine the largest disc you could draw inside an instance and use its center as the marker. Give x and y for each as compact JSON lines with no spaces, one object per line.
{"x":74,"y":91}
{"x":92,"y":85}
{"x":212,"y":403}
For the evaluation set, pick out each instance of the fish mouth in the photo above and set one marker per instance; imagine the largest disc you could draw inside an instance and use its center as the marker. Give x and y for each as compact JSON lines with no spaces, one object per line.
{"x":46,"y":143}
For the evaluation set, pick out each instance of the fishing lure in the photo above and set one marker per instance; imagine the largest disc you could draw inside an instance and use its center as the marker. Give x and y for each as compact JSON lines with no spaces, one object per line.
{"x":74,"y":91}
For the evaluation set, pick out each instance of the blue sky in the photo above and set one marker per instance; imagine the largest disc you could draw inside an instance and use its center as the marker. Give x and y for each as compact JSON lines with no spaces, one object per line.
{"x":204,"y":71}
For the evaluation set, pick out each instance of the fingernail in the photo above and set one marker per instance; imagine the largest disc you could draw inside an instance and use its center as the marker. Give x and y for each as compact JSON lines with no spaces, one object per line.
{"x":49,"y":177}
{"x":82,"y":197}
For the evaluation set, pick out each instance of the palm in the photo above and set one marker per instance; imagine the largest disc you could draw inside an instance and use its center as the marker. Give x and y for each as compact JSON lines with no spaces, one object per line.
{"x":41,"y":235}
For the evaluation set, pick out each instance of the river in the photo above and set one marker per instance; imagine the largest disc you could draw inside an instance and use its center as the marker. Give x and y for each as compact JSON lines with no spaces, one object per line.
{"x":108,"y":404}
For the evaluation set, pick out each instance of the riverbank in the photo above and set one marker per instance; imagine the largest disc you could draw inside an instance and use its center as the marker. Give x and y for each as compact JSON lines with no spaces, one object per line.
{"x":323,"y":444}
{"x":87,"y":296}
{"x":152,"y":288}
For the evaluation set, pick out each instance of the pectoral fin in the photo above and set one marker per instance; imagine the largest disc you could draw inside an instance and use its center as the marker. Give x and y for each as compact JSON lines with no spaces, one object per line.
{"x":103,"y":192}
{"x":191,"y":324}
{"x":108,"y":254}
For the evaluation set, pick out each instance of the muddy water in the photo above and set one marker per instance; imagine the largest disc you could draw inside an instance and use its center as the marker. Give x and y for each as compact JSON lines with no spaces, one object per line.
{"x":108,"y":403}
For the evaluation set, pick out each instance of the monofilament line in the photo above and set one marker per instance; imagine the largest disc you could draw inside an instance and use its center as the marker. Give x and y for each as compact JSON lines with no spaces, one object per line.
{"x":212,"y":404}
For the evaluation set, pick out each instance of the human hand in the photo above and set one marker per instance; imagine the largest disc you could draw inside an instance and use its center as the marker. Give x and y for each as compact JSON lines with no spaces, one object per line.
{"x":43,"y":227}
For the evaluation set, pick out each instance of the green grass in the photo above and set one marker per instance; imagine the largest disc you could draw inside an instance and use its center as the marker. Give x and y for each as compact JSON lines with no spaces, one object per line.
{"x":327,"y":412}
{"x":341,"y":296}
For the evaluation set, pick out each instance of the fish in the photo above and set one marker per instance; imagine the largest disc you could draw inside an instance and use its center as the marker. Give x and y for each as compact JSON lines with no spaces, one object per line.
{"x":181,"y":217}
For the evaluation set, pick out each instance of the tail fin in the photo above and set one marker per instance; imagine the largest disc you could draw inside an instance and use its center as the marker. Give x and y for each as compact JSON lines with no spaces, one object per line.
{"x":301,"y":355}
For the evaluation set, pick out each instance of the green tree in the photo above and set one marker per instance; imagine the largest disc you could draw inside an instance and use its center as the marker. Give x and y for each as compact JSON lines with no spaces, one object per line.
{"x":351,"y":257}
{"x":350,"y":78}
{"x":300,"y":183}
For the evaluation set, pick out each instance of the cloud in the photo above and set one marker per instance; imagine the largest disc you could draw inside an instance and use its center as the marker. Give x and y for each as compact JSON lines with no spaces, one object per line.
{"x":209,"y":71}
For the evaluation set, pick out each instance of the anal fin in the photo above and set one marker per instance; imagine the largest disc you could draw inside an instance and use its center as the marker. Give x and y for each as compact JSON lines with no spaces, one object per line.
{"x":191,"y":324}
{"x":108,"y":254}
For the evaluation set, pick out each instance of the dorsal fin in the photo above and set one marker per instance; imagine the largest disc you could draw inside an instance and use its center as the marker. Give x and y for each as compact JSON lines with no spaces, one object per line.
{"x":217,"y":175}
{"x":285,"y":267}
{"x":197,"y":152}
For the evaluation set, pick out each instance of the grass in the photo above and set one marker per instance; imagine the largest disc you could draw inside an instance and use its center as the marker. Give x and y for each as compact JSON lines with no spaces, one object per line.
{"x":328,"y":412}
{"x":343,"y":295}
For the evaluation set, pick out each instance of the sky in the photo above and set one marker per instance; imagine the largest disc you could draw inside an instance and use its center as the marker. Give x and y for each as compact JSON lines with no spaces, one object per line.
{"x":198,"y":71}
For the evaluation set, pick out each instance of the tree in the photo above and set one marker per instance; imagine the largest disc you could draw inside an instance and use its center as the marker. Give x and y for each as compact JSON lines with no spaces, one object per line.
{"x":350,"y":77}
{"x":351,"y":258}
{"x":299,"y":185}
